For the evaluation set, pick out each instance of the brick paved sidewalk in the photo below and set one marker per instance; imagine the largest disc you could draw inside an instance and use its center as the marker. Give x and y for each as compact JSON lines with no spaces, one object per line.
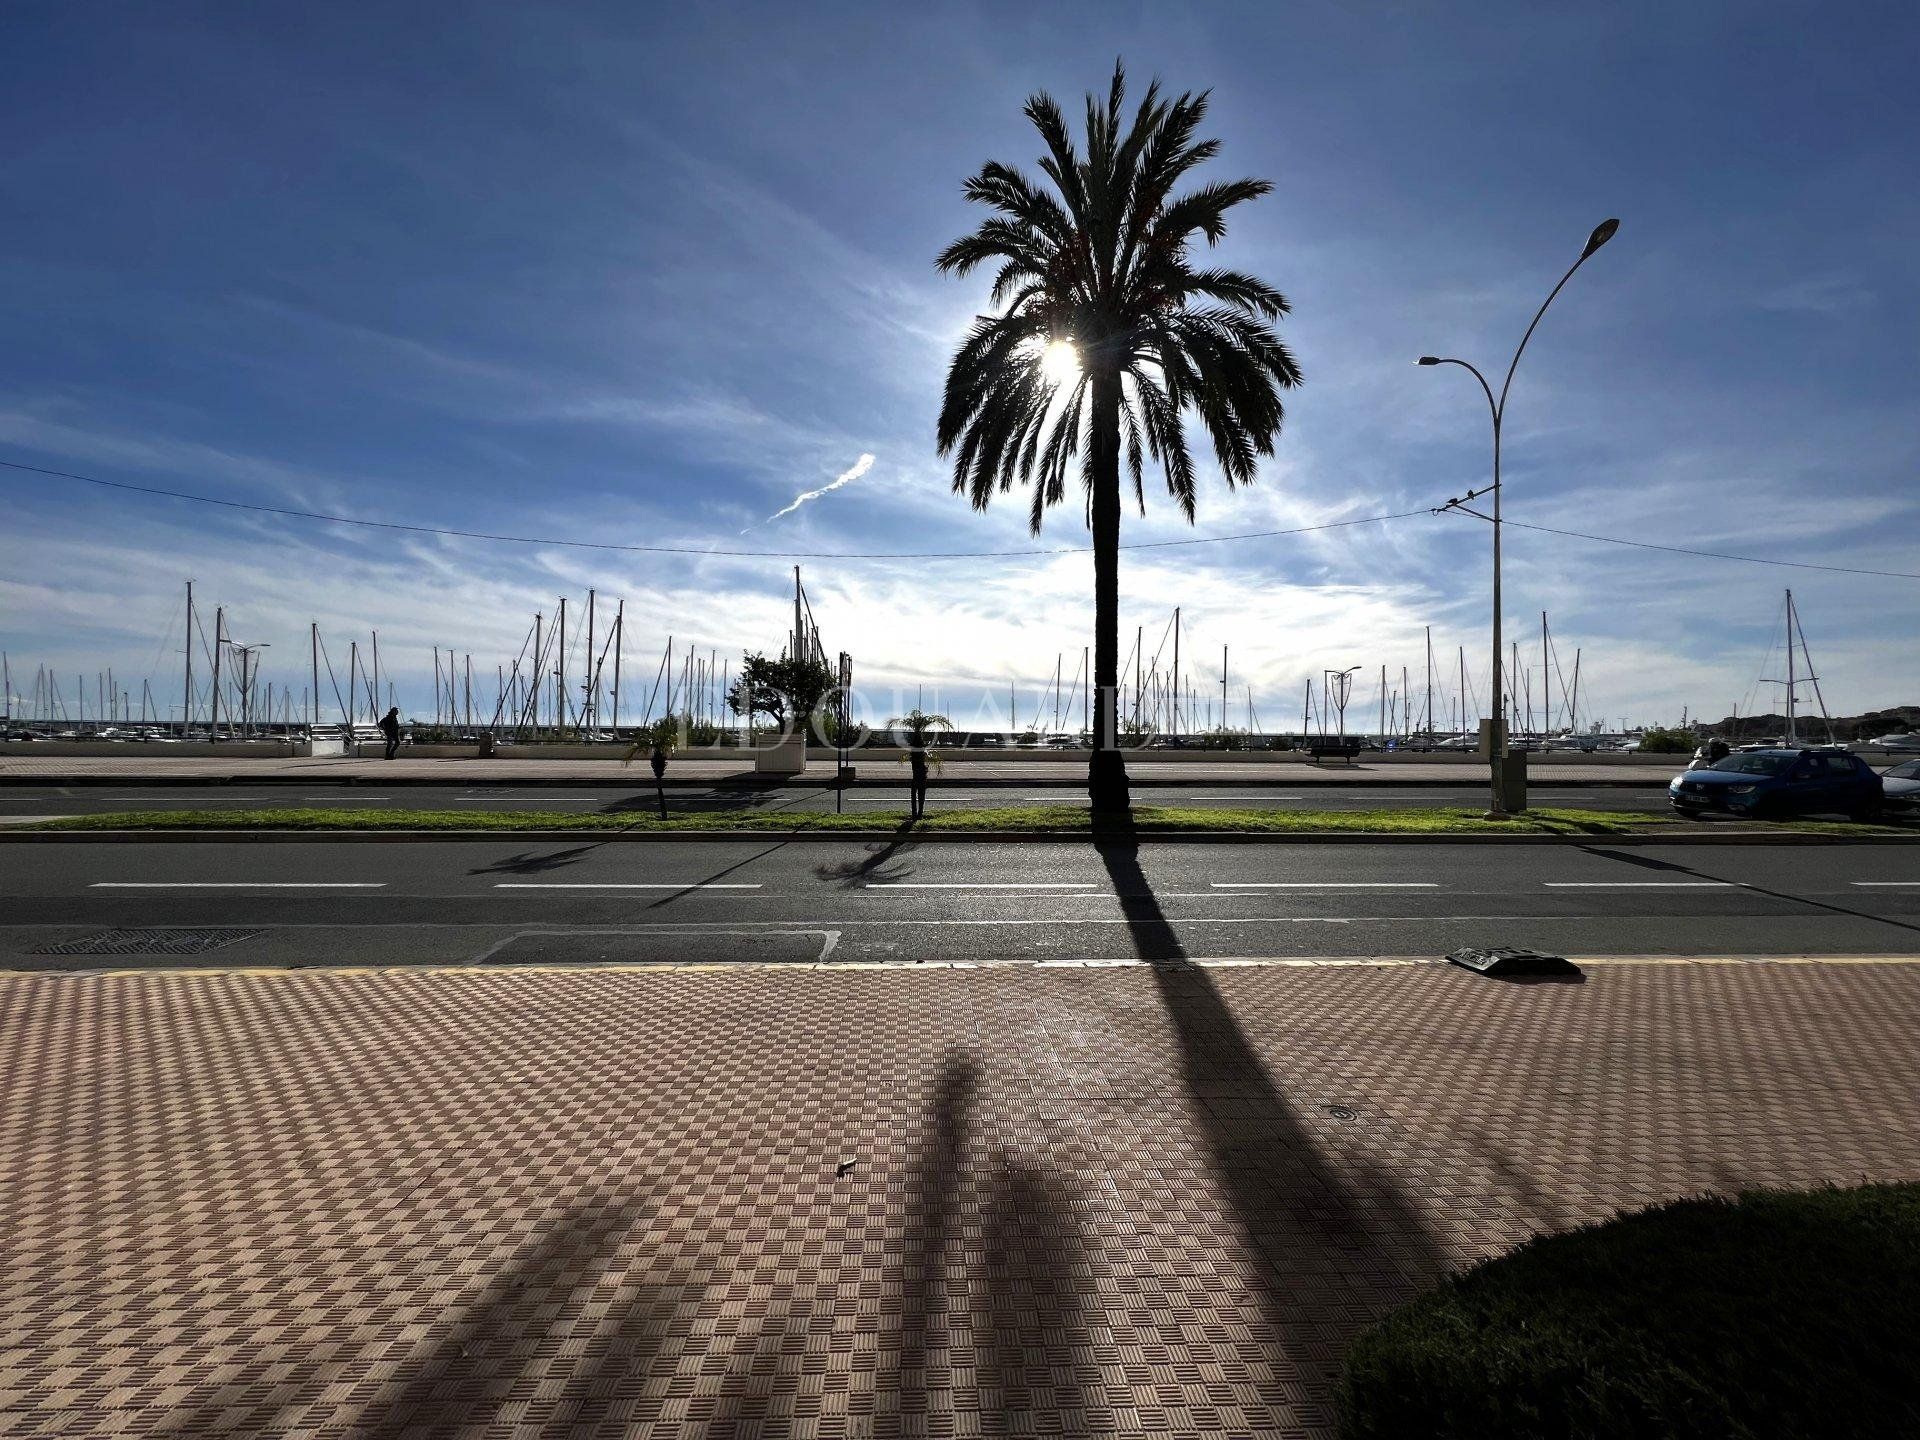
{"x":847,"y":1202}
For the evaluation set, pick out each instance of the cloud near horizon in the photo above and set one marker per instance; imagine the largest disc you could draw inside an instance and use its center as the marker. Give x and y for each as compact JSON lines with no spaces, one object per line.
{"x":845,"y":477}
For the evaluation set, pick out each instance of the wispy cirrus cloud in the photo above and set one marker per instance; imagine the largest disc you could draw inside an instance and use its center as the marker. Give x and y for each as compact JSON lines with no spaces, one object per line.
{"x":845,"y":477}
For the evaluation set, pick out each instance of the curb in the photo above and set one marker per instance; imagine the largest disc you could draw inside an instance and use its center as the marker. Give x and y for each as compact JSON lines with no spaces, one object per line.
{"x":935,"y":837}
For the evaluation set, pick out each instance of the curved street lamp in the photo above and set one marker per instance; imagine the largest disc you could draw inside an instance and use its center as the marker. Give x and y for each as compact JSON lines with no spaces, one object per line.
{"x":1497,"y":748}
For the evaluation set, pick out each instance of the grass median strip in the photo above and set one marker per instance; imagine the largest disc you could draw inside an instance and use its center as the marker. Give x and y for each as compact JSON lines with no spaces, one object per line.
{"x":1064,"y":819}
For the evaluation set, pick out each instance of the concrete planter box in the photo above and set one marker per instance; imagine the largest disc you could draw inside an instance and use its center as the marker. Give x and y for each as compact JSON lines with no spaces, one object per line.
{"x":786,"y":756}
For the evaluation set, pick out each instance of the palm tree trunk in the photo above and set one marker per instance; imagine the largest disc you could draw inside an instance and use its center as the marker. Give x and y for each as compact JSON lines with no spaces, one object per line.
{"x":1107,"y":771}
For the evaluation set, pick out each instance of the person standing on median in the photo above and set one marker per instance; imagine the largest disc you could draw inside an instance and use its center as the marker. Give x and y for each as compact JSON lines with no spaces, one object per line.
{"x":917,"y":724}
{"x":390,"y":727}
{"x":917,"y":765}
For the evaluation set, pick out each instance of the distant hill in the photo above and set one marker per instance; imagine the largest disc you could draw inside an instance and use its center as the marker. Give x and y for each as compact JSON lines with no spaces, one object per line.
{"x":1897,"y":721}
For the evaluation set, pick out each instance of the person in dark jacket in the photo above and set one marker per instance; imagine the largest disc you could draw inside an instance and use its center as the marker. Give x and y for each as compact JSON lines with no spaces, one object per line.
{"x":390,"y":727}
{"x":917,"y":764}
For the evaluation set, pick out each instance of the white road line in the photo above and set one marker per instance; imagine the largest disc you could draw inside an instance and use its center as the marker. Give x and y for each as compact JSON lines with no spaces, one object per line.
{"x":977,"y":885}
{"x":1325,"y":884}
{"x":1645,"y":885}
{"x":1884,"y":884}
{"x":238,"y":885}
{"x":623,"y":885}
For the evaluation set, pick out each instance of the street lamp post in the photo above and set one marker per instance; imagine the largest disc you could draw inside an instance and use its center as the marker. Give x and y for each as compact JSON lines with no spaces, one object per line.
{"x":1338,"y":685}
{"x":1497,"y":741}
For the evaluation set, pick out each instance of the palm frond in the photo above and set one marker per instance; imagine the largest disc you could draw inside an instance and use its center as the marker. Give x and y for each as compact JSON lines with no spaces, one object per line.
{"x":1096,"y":251}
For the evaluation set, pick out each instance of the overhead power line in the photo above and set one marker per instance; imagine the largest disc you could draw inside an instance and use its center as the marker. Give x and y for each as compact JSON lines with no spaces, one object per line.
{"x":1719,"y":554}
{"x":691,"y":550}
{"x":1036,"y":553}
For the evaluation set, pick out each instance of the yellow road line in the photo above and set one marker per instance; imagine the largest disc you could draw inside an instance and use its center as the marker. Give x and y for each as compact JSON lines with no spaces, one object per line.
{"x":1298,"y":962}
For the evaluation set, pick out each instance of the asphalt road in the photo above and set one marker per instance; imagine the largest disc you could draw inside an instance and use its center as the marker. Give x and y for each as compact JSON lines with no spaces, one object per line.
{"x":400,"y":903}
{"x":22,"y":802}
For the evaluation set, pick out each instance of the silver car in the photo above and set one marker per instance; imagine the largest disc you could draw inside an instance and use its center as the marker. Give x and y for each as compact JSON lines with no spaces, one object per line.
{"x":1901,"y":786}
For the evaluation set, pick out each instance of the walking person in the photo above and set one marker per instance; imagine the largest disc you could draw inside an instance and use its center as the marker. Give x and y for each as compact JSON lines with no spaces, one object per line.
{"x":390,"y":727}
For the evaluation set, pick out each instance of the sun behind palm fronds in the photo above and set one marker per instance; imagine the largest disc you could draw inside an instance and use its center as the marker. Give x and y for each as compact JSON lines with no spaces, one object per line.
{"x":1096,"y":284}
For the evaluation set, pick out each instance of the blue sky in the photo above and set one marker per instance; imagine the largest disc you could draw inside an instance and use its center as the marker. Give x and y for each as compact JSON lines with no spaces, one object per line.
{"x":646,"y":274}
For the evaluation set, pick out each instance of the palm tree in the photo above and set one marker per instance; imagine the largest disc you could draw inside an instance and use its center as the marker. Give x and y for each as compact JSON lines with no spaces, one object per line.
{"x":1105,"y":335}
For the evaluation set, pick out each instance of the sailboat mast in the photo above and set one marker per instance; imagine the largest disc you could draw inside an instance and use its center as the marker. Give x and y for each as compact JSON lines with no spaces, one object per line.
{"x":186,"y":699}
{"x":1429,"y":725}
{"x":1463,"y":692}
{"x":619,"y":643}
{"x":1792,"y":684}
{"x":1176,"y":670}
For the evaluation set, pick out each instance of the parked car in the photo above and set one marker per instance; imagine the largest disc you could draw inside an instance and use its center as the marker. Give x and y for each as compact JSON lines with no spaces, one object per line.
{"x":1766,"y":783}
{"x":1900,"y":787}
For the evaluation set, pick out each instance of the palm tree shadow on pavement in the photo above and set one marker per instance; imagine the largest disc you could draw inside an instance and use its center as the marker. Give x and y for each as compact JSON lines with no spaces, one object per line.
{"x":1335,"y":1241}
{"x":503,"y":1342}
{"x":530,"y":862}
{"x":878,"y":867}
{"x":1016,"y":1307}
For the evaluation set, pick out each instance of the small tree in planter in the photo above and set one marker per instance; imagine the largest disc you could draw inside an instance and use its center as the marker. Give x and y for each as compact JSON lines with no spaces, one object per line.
{"x":787,"y":692}
{"x":917,"y":725}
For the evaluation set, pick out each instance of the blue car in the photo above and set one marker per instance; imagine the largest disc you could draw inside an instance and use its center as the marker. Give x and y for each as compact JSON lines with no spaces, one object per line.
{"x":1763,"y":784}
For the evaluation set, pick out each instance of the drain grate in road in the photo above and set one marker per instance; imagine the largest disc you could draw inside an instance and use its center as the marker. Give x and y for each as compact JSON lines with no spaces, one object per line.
{"x":150,"y":942}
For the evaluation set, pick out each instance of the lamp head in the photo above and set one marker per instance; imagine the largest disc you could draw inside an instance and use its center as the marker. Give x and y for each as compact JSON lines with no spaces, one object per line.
{"x":1428,"y":360}
{"x":1602,"y":233}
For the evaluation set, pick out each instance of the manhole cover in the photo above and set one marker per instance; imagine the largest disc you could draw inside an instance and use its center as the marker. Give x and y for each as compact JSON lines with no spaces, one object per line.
{"x":150,"y":942}
{"x":1342,"y":1112}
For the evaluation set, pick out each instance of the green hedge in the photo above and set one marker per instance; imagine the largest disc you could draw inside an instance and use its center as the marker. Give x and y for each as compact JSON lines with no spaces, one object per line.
{"x":1776,"y":1315}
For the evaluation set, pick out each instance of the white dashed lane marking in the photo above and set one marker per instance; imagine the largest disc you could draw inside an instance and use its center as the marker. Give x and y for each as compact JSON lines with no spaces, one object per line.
{"x":238,"y":885}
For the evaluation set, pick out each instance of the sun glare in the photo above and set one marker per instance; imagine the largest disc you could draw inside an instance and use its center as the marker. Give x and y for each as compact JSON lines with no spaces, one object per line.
{"x":1060,"y":361}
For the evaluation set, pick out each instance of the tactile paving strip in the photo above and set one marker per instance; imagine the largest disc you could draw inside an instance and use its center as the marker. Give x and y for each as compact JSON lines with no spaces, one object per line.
{"x":836,"y":1203}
